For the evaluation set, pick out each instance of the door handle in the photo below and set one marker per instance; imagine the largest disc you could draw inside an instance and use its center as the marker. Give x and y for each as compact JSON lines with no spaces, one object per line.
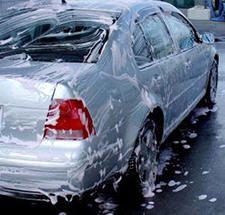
{"x":157,"y":79}
{"x":188,"y":64}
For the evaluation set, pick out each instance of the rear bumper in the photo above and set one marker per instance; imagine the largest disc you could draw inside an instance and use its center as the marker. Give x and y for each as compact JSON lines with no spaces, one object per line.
{"x":38,"y":184}
{"x":22,"y":194}
{"x":42,"y":173}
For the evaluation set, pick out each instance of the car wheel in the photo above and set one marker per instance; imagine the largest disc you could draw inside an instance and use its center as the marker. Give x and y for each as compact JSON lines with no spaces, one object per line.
{"x":210,"y":97}
{"x":143,"y":162}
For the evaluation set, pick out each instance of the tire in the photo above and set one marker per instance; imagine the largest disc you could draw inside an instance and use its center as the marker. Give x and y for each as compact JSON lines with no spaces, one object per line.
{"x":210,"y":97}
{"x":143,"y":162}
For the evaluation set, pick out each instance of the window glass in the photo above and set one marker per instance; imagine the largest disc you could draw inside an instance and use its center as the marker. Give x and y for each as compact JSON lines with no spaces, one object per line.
{"x":22,"y":36}
{"x":76,"y":41}
{"x":157,"y":36}
{"x":70,"y":42}
{"x":140,"y":48}
{"x":181,"y":31}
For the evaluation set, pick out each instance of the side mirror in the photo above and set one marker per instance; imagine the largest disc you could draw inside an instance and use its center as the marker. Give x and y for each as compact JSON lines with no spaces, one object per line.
{"x":208,"y":38}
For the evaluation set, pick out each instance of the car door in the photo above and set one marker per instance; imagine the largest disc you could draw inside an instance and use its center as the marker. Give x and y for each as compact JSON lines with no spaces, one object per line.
{"x":194,"y":54}
{"x":159,"y":73}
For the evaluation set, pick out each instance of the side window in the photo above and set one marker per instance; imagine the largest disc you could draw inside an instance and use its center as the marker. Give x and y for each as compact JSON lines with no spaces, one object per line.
{"x":157,"y":36}
{"x":140,"y":47}
{"x":181,"y":31}
{"x":41,"y":29}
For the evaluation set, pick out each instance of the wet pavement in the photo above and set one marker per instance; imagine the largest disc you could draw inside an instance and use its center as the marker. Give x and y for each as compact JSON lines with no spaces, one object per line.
{"x":191,"y":170}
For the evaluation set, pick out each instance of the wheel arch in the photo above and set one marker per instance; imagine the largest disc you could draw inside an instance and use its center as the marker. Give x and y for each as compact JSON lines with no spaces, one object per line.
{"x":157,"y":116}
{"x":217,"y":58}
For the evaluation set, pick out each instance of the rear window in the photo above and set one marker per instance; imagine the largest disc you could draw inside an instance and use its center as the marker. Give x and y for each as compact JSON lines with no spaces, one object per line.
{"x":70,"y":42}
{"x":76,"y":36}
{"x":19,"y":37}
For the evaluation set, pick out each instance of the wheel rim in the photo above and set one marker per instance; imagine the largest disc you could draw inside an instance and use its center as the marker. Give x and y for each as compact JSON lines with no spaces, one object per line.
{"x":147,"y":159}
{"x":213,"y":84}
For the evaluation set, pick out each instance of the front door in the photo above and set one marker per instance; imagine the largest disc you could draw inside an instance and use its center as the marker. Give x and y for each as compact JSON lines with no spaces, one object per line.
{"x":193,"y":54}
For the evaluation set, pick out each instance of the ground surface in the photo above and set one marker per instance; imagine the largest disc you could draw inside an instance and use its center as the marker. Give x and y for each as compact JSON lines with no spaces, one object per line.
{"x":193,"y":181}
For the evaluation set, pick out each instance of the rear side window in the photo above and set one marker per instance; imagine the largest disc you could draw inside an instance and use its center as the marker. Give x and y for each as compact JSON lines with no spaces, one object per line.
{"x":181,"y":31}
{"x":157,"y":36}
{"x":140,"y":48}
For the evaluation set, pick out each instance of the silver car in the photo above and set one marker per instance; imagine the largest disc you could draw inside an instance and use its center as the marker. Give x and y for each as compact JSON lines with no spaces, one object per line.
{"x":91,"y":89}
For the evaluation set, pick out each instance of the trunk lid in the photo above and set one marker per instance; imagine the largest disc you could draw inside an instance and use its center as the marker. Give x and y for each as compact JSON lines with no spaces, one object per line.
{"x":24,"y":102}
{"x":23,"y":110}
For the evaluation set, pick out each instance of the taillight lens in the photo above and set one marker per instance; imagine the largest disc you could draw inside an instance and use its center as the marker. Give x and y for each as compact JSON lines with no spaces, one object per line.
{"x":68,"y":120}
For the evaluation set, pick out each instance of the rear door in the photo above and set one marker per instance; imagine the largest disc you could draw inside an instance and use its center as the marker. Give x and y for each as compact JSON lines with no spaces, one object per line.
{"x":194,"y":54}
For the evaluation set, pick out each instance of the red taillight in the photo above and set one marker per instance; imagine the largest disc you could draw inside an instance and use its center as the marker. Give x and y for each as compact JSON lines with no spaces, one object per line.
{"x":68,"y":120}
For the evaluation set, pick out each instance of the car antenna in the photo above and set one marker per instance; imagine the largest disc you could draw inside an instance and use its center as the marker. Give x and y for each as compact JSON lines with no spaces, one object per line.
{"x":64,"y":2}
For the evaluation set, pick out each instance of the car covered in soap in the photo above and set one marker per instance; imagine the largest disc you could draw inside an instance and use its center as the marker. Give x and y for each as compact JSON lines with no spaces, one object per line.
{"x":90,"y":89}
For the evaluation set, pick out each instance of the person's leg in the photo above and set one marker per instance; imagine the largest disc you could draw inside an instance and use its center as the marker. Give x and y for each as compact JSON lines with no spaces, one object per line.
{"x":216,"y":4}
{"x":221,"y":17}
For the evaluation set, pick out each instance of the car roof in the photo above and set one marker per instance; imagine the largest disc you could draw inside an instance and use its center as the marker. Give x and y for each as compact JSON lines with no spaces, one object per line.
{"x":100,"y":5}
{"x":121,"y":5}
